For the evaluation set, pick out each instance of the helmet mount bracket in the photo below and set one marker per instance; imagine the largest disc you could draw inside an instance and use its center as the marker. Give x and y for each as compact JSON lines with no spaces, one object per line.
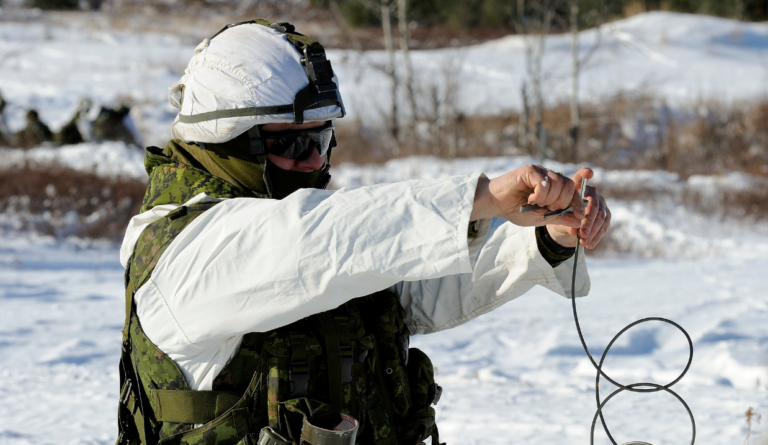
{"x":321,"y":91}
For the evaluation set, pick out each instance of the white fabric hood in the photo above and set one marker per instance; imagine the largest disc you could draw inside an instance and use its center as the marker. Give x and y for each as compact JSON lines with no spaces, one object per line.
{"x":246,"y":66}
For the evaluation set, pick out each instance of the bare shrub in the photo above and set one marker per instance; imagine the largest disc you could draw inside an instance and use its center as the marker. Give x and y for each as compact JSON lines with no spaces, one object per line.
{"x":751,"y":416}
{"x":62,"y":202}
{"x":745,"y":204}
{"x":625,"y":132}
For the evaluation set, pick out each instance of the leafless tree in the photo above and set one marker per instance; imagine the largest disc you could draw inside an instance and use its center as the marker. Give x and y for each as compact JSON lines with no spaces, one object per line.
{"x":597,"y":17}
{"x":739,"y":9}
{"x":402,"y":19}
{"x":385,"y":8}
{"x":535,"y":28}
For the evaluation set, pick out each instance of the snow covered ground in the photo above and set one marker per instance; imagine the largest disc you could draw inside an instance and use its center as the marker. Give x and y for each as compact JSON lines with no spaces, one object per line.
{"x":104,"y":159}
{"x":517,"y":375}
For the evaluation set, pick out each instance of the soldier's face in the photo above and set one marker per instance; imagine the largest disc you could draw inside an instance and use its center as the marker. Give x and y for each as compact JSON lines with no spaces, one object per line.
{"x":312,"y":163}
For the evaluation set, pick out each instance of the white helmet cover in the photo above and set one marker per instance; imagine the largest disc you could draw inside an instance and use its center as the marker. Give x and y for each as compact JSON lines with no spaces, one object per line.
{"x":246,"y":66}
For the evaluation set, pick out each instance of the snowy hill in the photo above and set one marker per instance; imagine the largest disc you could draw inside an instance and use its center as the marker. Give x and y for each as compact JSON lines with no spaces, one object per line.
{"x":676,"y":56}
{"x":679,"y":57}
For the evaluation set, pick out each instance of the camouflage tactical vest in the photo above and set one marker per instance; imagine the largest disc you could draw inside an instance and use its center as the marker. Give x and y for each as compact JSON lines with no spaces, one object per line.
{"x":354,"y":359}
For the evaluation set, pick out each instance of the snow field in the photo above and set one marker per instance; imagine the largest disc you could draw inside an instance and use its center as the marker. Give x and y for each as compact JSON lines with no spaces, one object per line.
{"x":104,"y":158}
{"x":516,"y":375}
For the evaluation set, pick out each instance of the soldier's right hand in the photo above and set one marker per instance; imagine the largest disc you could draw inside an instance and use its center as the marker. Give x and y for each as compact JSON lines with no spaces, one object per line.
{"x":502,"y":197}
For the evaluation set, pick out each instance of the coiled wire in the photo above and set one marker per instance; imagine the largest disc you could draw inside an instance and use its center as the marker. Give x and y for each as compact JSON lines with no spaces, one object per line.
{"x":633,"y":387}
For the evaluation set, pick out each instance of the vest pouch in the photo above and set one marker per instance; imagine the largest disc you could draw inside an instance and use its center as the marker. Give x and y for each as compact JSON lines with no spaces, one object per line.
{"x":418,"y":427}
{"x":291,"y":368}
{"x":421,"y":376}
{"x":311,"y":422}
{"x":420,"y":422}
{"x":356,"y":362}
{"x":392,"y":338}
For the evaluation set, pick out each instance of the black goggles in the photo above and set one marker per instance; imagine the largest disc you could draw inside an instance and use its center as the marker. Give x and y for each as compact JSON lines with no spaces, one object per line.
{"x":298,"y":144}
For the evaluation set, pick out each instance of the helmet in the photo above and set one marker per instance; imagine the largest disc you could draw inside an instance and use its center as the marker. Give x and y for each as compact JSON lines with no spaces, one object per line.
{"x":253,"y":73}
{"x":248,"y":74}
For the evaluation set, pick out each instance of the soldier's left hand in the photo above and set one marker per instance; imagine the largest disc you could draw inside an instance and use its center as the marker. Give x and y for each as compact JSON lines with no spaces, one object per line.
{"x":595,"y":224}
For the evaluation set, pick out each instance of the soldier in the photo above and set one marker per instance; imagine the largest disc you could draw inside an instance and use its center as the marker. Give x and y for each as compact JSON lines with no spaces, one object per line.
{"x":110,"y":125}
{"x":264,"y":309}
{"x":70,"y":133}
{"x":34,"y":134}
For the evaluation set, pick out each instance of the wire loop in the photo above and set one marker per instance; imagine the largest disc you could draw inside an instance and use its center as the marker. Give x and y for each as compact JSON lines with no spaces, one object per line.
{"x":633,"y":387}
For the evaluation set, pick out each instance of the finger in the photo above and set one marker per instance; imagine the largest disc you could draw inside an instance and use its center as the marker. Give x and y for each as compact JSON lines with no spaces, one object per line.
{"x":602,"y":223}
{"x":566,"y":196}
{"x":605,"y":225}
{"x":583,"y":173}
{"x":591,"y":212}
{"x":555,"y":189}
{"x":577,"y":204}
{"x":569,"y":220}
{"x":537,"y":179}
{"x":596,"y":227}
{"x":598,"y":236}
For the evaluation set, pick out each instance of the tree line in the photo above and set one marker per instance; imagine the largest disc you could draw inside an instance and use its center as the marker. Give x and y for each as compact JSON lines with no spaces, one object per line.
{"x":492,"y":14}
{"x":502,"y":14}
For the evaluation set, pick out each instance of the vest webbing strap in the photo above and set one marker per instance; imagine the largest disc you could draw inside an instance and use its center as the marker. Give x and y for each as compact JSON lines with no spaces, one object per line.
{"x":128,"y":308}
{"x":180,"y":406}
{"x":333,"y":353}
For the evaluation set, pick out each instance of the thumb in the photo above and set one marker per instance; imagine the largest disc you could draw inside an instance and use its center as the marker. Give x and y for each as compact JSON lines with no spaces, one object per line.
{"x":583,"y":173}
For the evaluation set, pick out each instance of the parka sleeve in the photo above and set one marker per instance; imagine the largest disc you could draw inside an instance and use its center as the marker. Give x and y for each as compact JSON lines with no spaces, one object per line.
{"x":506,"y":264}
{"x":251,"y":265}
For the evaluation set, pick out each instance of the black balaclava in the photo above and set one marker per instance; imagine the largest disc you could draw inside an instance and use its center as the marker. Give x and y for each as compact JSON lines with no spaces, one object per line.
{"x":232,"y":162}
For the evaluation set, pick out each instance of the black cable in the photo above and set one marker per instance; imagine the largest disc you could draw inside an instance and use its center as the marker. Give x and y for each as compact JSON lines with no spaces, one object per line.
{"x":634,"y":387}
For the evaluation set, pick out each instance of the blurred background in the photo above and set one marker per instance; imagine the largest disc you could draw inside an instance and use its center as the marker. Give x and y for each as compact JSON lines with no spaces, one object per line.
{"x":666,"y":100}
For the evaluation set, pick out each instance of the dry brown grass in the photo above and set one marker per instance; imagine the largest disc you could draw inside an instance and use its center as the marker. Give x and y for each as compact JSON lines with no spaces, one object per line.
{"x":746,"y":207}
{"x":195,"y":20}
{"x":624,"y":132}
{"x":62,"y":202}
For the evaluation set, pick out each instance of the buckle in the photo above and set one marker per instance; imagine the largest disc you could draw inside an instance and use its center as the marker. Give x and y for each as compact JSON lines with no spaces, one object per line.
{"x":319,"y":70}
{"x":283,"y":27}
{"x":126,"y":392}
{"x":403,"y":341}
{"x":435,"y":391}
{"x":362,"y":353}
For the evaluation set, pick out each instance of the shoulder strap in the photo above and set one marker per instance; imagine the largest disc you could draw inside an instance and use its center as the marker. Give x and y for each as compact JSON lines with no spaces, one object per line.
{"x":333,"y":353}
{"x":134,"y":279}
